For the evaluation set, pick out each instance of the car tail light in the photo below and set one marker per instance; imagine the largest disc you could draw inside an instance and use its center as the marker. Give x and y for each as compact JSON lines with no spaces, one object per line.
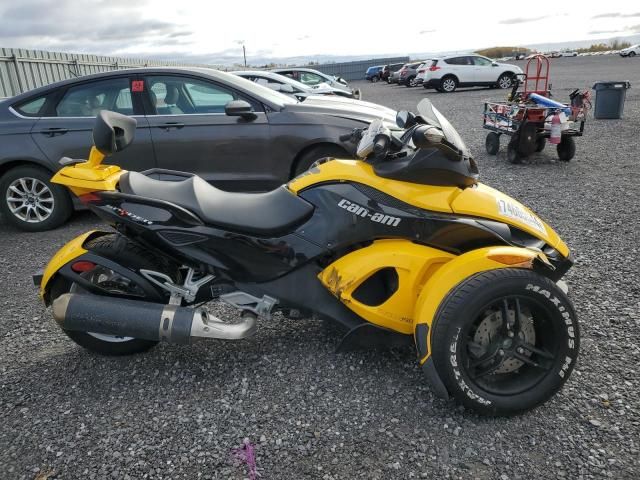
{"x":433,"y":68}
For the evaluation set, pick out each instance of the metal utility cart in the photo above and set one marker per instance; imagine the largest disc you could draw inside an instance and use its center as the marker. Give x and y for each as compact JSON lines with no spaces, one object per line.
{"x":526,"y":116}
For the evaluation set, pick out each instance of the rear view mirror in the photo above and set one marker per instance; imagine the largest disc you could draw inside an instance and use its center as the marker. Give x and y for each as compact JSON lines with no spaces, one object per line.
{"x":113,"y":132}
{"x":405,"y":119}
{"x":239,"y":108}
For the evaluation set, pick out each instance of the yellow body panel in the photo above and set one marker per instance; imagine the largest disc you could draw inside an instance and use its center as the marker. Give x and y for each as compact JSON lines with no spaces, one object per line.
{"x":89,"y":176}
{"x":71,"y":250}
{"x":428,"y":197}
{"x":462,"y":267}
{"x":486,"y":202}
{"x":413,"y":264}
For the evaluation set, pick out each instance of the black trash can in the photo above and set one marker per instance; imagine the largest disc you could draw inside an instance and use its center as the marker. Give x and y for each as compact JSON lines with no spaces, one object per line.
{"x":610,"y":98}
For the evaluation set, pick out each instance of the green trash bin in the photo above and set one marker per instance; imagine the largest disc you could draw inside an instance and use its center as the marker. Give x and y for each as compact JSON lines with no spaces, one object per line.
{"x":610,"y":98}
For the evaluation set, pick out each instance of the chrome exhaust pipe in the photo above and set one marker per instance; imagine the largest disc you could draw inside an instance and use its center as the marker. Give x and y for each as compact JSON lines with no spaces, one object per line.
{"x":145,"y":320}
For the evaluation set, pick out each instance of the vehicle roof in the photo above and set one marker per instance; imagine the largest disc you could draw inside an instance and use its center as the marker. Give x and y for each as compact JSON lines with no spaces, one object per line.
{"x":299,"y":69}
{"x":203,"y":71}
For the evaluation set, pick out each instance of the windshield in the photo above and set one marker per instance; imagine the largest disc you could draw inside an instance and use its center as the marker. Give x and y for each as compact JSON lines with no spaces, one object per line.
{"x":431,"y":115}
{"x":259,"y":91}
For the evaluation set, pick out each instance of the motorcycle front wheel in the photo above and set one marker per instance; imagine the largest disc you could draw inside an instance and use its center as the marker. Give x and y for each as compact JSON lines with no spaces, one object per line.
{"x":505,"y":341}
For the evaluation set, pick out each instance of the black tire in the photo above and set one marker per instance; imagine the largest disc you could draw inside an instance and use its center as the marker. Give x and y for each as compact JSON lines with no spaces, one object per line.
{"x":541,"y":142}
{"x":505,"y":81}
{"x":318,"y":153}
{"x":469,"y":327}
{"x":513,"y":155}
{"x":124,"y":252}
{"x":375,"y":79}
{"x":492,"y":143}
{"x":632,"y":54}
{"x":32,"y":214}
{"x":448,"y":84}
{"x":410,"y":83}
{"x":566,"y":148}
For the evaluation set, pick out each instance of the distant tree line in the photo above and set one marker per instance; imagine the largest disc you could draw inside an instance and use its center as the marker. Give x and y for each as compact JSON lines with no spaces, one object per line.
{"x":603,"y":47}
{"x":497,"y":52}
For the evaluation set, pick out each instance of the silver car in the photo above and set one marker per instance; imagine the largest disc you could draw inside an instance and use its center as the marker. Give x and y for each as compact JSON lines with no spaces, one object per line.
{"x":312,"y":77}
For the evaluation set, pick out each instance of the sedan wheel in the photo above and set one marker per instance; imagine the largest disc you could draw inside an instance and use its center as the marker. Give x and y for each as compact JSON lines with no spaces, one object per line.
{"x":31,"y":202}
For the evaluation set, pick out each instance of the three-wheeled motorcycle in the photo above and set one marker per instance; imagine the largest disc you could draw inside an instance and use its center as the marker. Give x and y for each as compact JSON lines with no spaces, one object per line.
{"x":403,"y":245}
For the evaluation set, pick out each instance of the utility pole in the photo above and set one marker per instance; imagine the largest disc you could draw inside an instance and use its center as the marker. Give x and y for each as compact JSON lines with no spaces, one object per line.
{"x":244,"y":53}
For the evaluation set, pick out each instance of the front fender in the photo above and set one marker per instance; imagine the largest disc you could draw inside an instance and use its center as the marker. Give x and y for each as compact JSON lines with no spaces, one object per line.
{"x":455,"y":271}
{"x":69,"y":252}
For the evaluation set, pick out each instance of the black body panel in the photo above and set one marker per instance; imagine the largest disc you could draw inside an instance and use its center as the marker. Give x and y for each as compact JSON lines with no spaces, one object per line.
{"x":430,"y":166}
{"x":336,"y":228}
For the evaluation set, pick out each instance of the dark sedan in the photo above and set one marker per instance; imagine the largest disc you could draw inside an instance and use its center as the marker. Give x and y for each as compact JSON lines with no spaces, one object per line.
{"x":182,"y":125}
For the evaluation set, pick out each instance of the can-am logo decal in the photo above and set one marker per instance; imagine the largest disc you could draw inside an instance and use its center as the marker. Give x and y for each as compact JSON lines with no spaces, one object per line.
{"x":124,"y":213}
{"x":366,"y":213}
{"x":512,"y":210}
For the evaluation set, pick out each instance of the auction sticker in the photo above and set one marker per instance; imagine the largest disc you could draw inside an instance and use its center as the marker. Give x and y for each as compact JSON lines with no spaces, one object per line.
{"x":517,"y":212}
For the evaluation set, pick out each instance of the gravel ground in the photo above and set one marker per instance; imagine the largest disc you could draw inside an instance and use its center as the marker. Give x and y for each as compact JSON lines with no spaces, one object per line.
{"x":177,"y":412}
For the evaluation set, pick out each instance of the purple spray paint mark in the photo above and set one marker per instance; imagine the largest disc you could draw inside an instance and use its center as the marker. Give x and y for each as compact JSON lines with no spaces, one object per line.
{"x":246,"y":454}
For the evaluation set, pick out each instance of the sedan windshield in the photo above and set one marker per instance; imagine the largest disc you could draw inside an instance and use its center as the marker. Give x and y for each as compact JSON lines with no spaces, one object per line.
{"x":259,"y":91}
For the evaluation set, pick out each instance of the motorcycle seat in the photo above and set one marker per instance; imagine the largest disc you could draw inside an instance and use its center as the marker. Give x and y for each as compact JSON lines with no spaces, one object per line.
{"x":262,"y":214}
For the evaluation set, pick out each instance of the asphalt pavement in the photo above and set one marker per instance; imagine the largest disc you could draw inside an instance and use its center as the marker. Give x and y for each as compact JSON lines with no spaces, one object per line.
{"x":178,"y":412}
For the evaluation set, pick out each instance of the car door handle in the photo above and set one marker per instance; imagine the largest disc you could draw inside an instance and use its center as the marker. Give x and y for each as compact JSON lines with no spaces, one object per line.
{"x":169,"y":125}
{"x":53,"y":131}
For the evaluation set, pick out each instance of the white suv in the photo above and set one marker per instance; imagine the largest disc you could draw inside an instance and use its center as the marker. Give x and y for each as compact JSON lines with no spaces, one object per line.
{"x":448,"y":73}
{"x":630,"y":51}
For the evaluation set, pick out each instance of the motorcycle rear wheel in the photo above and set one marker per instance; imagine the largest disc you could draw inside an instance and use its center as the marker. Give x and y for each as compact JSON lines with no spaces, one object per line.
{"x":126,"y":253}
{"x":505,"y":341}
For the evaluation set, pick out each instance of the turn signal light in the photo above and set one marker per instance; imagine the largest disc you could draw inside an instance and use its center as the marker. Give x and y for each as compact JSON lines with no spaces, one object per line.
{"x":515,"y":260}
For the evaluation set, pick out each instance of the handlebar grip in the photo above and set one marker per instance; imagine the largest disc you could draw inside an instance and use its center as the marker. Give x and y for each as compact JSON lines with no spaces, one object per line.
{"x":381,"y":144}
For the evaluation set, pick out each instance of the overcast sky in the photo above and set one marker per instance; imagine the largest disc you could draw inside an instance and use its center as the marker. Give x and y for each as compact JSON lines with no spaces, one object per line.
{"x":212,"y":31}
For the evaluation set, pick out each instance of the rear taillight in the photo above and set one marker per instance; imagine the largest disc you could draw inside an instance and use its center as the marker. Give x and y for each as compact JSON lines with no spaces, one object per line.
{"x":83,"y":266}
{"x":433,"y":68}
{"x":88,"y":198}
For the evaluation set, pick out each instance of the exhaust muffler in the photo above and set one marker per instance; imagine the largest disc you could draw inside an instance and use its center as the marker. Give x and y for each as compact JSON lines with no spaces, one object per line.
{"x":145,"y":320}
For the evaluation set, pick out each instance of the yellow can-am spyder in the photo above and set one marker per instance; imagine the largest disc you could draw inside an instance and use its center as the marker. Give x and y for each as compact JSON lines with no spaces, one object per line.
{"x":404,"y":244}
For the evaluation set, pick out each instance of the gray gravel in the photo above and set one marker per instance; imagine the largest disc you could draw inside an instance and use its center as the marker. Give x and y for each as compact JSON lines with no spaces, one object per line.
{"x":177,"y":412}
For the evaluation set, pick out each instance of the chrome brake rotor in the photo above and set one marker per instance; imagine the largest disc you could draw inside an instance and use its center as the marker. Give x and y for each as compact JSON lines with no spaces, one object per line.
{"x":491,"y":325}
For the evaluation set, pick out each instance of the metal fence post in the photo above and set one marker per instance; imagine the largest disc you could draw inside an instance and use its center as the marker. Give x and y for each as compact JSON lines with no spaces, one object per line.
{"x":16,"y":66}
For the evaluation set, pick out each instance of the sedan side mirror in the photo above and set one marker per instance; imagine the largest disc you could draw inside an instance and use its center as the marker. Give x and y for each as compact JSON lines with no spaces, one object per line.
{"x":495,"y":64}
{"x":285,"y":88}
{"x":405,"y":119}
{"x":239,"y":108}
